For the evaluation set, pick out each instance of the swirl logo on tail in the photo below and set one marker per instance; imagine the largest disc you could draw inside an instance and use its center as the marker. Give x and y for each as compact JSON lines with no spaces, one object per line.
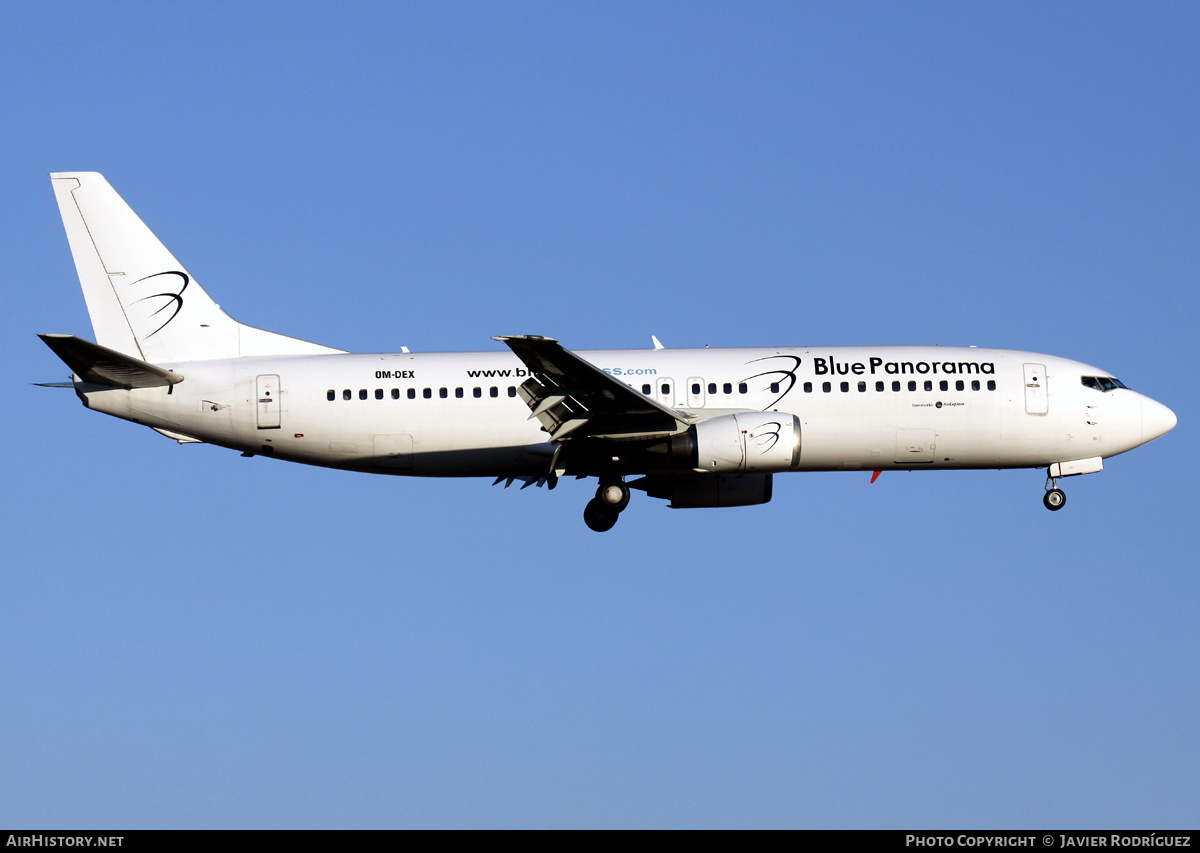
{"x":173,"y":300}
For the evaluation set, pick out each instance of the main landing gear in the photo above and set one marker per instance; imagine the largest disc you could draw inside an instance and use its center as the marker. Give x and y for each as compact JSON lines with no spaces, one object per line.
{"x":602,"y":511}
{"x":1055,"y":498}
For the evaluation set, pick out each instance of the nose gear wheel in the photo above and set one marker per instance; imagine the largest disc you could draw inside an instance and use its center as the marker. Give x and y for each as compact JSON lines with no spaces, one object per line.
{"x":1055,"y":498}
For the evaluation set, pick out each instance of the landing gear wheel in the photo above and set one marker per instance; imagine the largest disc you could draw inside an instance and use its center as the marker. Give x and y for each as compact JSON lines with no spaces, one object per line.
{"x":614,"y":495}
{"x":1055,"y":500}
{"x":599,"y":516}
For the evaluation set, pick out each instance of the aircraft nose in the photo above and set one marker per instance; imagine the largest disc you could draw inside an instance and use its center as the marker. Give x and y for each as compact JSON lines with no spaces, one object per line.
{"x":1157,"y":419}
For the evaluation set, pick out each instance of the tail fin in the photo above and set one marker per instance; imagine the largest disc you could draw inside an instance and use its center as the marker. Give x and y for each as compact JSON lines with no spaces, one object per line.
{"x":142,"y":302}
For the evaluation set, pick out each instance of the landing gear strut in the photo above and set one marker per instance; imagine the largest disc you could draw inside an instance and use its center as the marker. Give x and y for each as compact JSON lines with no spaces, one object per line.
{"x":601,"y":512}
{"x":1055,"y":498}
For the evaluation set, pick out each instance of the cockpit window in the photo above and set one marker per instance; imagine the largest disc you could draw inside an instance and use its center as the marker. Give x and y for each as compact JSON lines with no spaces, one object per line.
{"x":1102,"y":383}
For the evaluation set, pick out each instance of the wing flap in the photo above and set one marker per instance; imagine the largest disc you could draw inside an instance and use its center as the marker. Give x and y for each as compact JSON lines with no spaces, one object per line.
{"x":572,"y":397}
{"x":103,"y":366}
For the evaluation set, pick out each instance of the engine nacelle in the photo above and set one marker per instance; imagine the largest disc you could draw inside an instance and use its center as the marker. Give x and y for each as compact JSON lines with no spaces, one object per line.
{"x":747,"y":443}
{"x":687,"y":491}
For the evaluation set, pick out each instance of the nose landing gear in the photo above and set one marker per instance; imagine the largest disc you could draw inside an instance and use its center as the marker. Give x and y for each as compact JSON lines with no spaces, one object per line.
{"x":1055,"y":498}
{"x":602,"y":511}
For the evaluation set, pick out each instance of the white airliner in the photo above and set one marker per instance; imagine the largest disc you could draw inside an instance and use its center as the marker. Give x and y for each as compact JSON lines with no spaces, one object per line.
{"x":699,"y":427}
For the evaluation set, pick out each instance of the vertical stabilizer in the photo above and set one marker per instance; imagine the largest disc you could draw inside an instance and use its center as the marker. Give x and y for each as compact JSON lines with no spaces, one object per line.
{"x":141,"y":300}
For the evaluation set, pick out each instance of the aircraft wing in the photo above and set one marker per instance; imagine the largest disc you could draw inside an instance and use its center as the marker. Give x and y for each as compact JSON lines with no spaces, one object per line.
{"x":572,"y":397}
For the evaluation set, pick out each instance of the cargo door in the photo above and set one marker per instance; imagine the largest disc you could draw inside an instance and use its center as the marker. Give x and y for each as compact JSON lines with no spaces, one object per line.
{"x":915,"y":445}
{"x":393,"y":451}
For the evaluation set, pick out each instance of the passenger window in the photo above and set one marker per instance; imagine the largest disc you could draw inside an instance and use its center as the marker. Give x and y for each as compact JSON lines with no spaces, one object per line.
{"x":395,"y":393}
{"x":944,"y":385}
{"x":862,"y":386}
{"x":412,"y":393}
{"x":330,"y":394}
{"x":895,"y":386}
{"x":974,"y":384}
{"x":727,"y":388}
{"x":378,"y":393}
{"x":845,"y":387}
{"x":665,"y":389}
{"x":458,"y":392}
{"x":477,"y":392}
{"x":346,"y":394}
{"x":427,"y":393}
{"x":958,"y":386}
{"x":826,"y":387}
{"x":742,"y":389}
{"x":696,"y":389}
{"x":647,"y":390}
{"x":912,"y":385}
{"x":879,"y":385}
{"x":443,"y":393}
{"x":774,"y":387}
{"x":362,"y":393}
{"x":807,"y":387}
{"x":512,"y":390}
{"x":494,"y":391}
{"x":991,"y":384}
{"x":712,"y":387}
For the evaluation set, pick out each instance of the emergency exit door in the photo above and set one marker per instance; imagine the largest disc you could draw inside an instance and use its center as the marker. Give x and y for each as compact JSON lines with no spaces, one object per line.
{"x":664,"y":390}
{"x":267,"y":404}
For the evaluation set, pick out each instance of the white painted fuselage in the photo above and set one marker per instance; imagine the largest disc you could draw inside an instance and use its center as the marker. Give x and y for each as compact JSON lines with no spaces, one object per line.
{"x":457,"y":414}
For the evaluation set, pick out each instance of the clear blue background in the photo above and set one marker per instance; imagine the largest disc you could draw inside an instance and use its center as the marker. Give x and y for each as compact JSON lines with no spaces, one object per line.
{"x":193,"y":639}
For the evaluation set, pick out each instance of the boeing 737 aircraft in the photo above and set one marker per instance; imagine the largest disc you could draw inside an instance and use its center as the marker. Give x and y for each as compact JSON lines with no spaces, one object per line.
{"x":698,"y":427}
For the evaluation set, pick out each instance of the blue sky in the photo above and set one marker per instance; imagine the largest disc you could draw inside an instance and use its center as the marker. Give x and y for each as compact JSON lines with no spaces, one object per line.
{"x":191,"y":638}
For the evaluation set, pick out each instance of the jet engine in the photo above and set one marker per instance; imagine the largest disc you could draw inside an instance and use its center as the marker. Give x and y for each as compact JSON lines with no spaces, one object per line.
{"x":743,"y":443}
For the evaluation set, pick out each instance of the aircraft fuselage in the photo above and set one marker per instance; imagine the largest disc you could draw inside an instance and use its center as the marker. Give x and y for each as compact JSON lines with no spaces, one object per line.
{"x":458,"y":414}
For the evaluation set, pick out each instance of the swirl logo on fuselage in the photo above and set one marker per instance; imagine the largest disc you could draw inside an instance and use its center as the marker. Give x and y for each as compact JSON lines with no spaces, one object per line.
{"x":173,"y":298}
{"x":786,"y":373}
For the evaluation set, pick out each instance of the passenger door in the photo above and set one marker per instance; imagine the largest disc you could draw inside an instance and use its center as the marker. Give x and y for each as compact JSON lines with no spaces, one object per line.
{"x":1036,"y":401}
{"x":268,"y":403}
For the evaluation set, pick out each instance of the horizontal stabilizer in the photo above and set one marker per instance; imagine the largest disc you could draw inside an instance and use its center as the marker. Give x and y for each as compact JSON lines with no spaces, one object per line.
{"x":103,"y":366}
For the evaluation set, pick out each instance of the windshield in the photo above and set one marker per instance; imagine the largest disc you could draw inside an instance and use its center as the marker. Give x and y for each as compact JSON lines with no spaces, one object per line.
{"x":1102,"y":383}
